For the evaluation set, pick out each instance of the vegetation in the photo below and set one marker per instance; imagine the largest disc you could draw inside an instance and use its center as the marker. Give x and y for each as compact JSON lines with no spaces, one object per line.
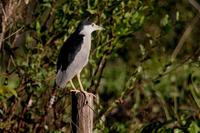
{"x":144,"y":68}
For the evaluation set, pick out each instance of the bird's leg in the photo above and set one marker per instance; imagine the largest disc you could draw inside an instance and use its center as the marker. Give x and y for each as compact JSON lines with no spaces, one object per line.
{"x":79,"y":81}
{"x":82,"y":90}
{"x":72,"y":84}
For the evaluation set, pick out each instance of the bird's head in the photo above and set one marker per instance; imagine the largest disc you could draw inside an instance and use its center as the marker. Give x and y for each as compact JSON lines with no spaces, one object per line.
{"x":87,"y":27}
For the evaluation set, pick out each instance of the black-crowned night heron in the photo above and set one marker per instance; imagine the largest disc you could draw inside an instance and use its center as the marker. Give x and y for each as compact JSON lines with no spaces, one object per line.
{"x":74,"y":54}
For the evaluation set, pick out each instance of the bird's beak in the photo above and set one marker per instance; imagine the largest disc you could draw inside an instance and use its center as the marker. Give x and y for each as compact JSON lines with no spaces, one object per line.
{"x":98,"y":27}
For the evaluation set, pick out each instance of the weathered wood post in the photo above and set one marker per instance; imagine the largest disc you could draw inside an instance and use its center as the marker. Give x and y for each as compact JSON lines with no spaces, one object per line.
{"x":82,"y":112}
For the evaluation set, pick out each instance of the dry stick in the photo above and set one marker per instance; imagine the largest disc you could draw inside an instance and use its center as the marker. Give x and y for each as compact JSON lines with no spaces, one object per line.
{"x":82,"y":112}
{"x":26,"y":108}
{"x":179,"y":65}
{"x":13,"y":33}
{"x":100,"y":68}
{"x":184,"y":37}
{"x":92,"y":109}
{"x":49,"y":104}
{"x":52,"y":98}
{"x":12,"y":110}
{"x":195,"y":4}
{"x":4,"y":20}
{"x":14,"y":107}
{"x":187,"y":31}
{"x":103,"y":65}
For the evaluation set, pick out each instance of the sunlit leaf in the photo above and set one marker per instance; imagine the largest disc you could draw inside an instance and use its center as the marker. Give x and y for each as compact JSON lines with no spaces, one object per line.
{"x":194,"y":128}
{"x":5,"y":91}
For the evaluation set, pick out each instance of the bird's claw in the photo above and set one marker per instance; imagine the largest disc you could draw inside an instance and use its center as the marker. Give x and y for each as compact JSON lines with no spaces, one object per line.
{"x":83,"y":91}
{"x":74,"y":90}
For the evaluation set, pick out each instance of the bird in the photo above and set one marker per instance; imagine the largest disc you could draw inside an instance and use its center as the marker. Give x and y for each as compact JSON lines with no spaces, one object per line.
{"x":74,"y":54}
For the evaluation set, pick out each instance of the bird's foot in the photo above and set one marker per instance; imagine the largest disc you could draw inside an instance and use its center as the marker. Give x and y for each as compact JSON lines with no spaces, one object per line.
{"x":82,"y":91}
{"x":85,"y":92}
{"x":74,"y":90}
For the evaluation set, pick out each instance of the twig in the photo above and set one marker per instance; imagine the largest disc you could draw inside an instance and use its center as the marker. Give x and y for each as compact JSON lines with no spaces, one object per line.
{"x":184,"y":37}
{"x":13,"y":33}
{"x":178,"y":66}
{"x":195,"y":4}
{"x":26,"y":108}
{"x":3,"y":10}
{"x":188,"y":30}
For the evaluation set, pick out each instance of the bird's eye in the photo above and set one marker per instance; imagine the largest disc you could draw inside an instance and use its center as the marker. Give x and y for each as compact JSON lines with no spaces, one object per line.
{"x":92,"y":24}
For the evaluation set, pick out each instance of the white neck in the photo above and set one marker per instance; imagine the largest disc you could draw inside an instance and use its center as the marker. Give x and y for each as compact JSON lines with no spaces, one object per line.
{"x":86,"y":33}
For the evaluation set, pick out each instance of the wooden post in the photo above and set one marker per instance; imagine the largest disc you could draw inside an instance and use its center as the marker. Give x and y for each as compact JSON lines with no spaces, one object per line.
{"x":82,"y":112}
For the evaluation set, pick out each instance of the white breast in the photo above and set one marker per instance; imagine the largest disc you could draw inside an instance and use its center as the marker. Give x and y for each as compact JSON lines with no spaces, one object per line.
{"x":81,"y":59}
{"x":79,"y":62}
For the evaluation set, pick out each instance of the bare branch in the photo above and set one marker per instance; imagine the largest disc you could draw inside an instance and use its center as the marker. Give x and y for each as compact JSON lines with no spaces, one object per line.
{"x":184,"y":37}
{"x":13,"y":34}
{"x":195,"y":4}
{"x":187,"y":31}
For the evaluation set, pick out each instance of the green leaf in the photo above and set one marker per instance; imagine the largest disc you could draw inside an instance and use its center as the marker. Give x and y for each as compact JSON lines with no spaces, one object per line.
{"x":38,"y":27}
{"x":92,"y":11}
{"x":178,"y":130}
{"x":47,"y":5}
{"x":194,"y":128}
{"x":7,"y":91}
{"x":165,"y":20}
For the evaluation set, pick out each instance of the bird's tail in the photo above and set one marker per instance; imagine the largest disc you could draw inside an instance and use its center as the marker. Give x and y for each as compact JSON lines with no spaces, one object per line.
{"x":61,"y":78}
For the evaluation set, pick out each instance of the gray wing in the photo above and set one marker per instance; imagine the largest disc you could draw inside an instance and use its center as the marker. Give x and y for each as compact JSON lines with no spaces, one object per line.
{"x":66,"y":56}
